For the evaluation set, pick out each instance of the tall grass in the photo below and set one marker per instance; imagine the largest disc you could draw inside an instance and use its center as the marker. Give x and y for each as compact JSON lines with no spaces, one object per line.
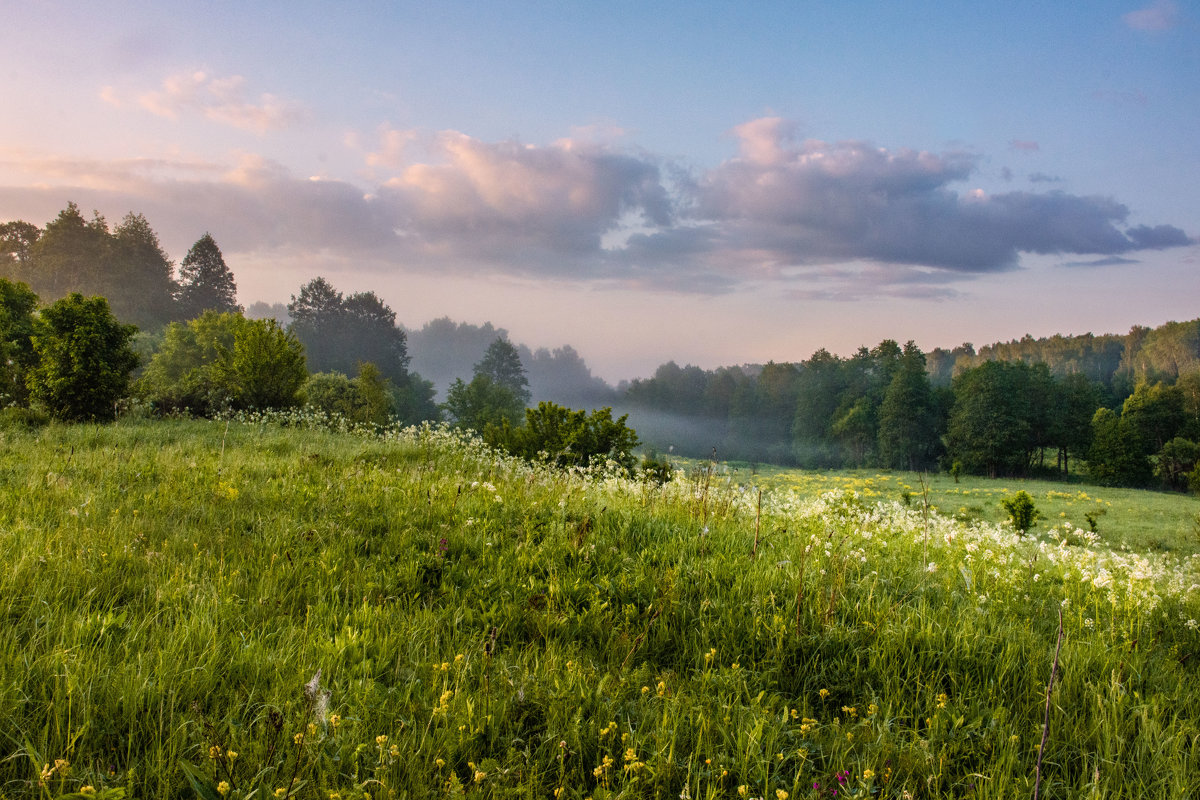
{"x":253,"y":609}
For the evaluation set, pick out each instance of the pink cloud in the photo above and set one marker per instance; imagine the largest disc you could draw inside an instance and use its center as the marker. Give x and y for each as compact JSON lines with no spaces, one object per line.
{"x":1159,"y":16}
{"x":222,"y":100}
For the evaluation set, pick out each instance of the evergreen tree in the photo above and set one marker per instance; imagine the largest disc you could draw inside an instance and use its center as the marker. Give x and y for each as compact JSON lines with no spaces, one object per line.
{"x":206,"y":283}
{"x":907,"y":420}
{"x":140,"y":278}
{"x":501,"y":365}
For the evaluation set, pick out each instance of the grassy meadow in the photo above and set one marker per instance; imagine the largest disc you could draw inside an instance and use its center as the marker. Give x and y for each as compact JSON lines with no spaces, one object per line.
{"x":252,"y":609}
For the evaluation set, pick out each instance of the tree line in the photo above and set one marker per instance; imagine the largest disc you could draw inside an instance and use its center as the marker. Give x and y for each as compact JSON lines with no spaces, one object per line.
{"x":1127,"y":407}
{"x":79,"y":357}
{"x":889,"y":407}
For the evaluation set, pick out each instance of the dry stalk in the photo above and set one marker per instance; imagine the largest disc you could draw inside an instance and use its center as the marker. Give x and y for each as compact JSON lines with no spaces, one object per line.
{"x":1037,"y":782}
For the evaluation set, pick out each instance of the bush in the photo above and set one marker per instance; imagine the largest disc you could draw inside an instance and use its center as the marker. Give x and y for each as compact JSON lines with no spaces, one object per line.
{"x":1021,"y":509}
{"x":84,"y":359}
{"x":27,"y":418}
{"x":565,"y":437}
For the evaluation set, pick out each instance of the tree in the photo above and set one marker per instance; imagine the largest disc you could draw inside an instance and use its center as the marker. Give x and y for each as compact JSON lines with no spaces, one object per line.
{"x":502,"y":365}
{"x":481,"y":403}
{"x":267,"y":367}
{"x":989,"y":429}
{"x":339,"y":332}
{"x":70,"y":256}
{"x":84,"y":359}
{"x":222,"y":360}
{"x":907,"y":417}
{"x":17,"y":306}
{"x":1116,"y":457}
{"x":206,"y":283}
{"x":141,"y":281}
{"x":1175,"y":462}
{"x":17,"y":238}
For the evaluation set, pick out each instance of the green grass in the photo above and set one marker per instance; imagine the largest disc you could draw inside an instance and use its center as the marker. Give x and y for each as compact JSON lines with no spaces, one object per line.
{"x":486,"y":628}
{"x":1134,"y":518}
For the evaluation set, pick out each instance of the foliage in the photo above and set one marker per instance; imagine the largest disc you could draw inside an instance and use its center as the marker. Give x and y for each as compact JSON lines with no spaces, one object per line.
{"x":501,"y":364}
{"x":206,"y":282}
{"x":907,"y":416}
{"x":989,"y":430}
{"x":127,"y":266}
{"x":339,"y":332}
{"x":17,"y":306}
{"x":566,"y":437}
{"x":365,"y":398}
{"x":481,"y":403}
{"x":1116,"y":457}
{"x":83,"y":359}
{"x":222,"y":360}
{"x":1021,"y":510}
{"x":266,"y":368}
{"x":1174,"y":463}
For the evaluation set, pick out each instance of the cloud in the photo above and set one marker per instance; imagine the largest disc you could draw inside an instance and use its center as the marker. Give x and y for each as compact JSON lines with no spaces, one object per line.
{"x":1111,"y":261}
{"x":784,"y":203}
{"x":1041,"y":177}
{"x":1158,"y":16}
{"x":1021,"y":146}
{"x":222,"y":100}
{"x":475,"y":197}
{"x":849,"y":218}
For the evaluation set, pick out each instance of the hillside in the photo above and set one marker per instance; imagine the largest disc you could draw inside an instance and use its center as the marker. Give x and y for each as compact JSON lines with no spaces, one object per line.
{"x":238,"y":608}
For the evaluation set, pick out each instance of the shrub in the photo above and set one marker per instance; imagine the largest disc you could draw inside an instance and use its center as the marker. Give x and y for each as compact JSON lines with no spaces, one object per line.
{"x":84,"y":359}
{"x":1021,"y":509}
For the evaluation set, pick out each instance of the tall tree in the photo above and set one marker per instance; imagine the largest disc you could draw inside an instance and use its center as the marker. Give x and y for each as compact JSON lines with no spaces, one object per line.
{"x":501,"y":365}
{"x":70,"y":256}
{"x":206,"y":283}
{"x":907,"y":418}
{"x":141,"y":277}
{"x":340,"y":332}
{"x":17,"y":238}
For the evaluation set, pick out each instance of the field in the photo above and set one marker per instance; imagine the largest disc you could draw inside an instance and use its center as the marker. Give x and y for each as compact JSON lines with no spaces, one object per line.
{"x":248,"y":609}
{"x":1133,"y":518}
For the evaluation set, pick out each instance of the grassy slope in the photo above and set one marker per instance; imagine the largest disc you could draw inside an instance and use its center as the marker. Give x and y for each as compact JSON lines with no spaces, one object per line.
{"x":170,"y":588}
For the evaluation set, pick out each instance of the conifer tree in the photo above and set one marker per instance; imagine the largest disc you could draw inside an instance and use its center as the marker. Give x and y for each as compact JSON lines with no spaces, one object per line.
{"x":206,"y":283}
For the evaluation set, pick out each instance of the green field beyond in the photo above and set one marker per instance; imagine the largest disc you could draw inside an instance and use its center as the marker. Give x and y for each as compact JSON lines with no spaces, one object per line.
{"x":236,"y":610}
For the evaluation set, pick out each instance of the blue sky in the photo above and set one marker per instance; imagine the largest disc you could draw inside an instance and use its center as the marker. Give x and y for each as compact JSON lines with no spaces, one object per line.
{"x":706,"y":182}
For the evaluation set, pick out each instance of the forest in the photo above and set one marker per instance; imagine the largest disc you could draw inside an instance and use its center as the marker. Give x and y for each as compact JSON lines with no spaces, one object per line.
{"x":1120,"y":409}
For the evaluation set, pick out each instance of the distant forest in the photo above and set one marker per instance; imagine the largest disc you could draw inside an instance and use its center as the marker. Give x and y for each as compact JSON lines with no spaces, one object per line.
{"x":1124,"y":407}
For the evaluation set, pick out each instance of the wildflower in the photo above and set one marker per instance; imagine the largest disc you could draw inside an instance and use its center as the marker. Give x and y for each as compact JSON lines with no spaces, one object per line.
{"x":394,"y":751}
{"x":662,"y":688}
{"x":868,"y":774}
{"x":480,"y":775}
{"x":780,"y":794}
{"x":941,"y":700}
{"x":824,"y":693}
{"x":440,"y":763}
{"x":872,"y":710}
{"x":281,"y":792}
{"x":298,"y":738}
{"x":630,"y":754}
{"x":222,"y":788}
{"x":381,"y":740}
{"x":231,"y":754}
{"x":214,"y":752}
{"x":645,"y":690}
{"x":335,"y":721}
{"x":89,"y":790}
{"x":743,"y":790}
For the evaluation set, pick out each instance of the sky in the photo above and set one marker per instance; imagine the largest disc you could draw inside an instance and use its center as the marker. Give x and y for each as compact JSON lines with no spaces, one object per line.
{"x":706,"y":182}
